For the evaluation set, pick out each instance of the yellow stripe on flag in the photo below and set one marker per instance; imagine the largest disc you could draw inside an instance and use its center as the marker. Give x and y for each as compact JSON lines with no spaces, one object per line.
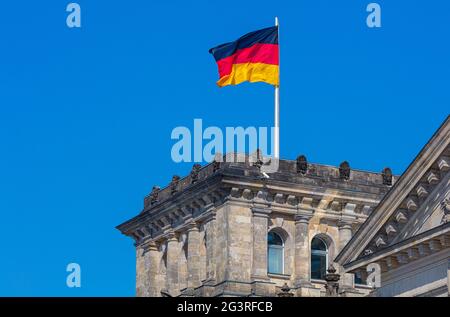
{"x":252,"y":72}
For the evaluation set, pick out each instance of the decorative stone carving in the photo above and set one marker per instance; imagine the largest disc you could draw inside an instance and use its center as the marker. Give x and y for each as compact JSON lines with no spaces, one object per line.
{"x":432,"y":178}
{"x":291,"y":200}
{"x":306,"y":204}
{"x":367,"y":210}
{"x":380,"y":241}
{"x":154,"y":195}
{"x":411,"y":204}
{"x":368,"y":252}
{"x":247,"y":194}
{"x":235,"y":192}
{"x":445,"y":206}
{"x":386,"y":173}
{"x":444,"y":164}
{"x":279,"y":198}
{"x":344,"y":170}
{"x":421,"y":191}
{"x":390,"y":229}
{"x":285,"y":291}
{"x":174,"y":184}
{"x":302,"y":165}
{"x":261,"y":196}
{"x":335,"y":206}
{"x":194,"y":173}
{"x":332,"y":279}
{"x":350,"y":208}
{"x":400,"y":217}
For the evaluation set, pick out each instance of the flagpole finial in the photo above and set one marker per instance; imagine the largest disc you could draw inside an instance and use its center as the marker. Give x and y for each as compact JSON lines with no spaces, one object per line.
{"x":276,"y":21}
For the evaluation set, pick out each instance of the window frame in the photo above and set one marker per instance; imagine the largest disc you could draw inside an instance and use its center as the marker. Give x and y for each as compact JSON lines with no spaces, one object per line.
{"x":319,"y":253}
{"x":275,"y":246}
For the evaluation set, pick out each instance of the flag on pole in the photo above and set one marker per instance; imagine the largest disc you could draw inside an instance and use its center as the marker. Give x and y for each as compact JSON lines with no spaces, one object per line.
{"x":254,"y":57}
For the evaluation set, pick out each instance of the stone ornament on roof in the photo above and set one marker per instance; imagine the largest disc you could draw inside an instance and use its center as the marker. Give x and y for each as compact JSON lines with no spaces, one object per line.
{"x":302,"y":165}
{"x":174,"y":184}
{"x":387,"y":176}
{"x":154,"y":195}
{"x":194,"y":173}
{"x":344,"y":170}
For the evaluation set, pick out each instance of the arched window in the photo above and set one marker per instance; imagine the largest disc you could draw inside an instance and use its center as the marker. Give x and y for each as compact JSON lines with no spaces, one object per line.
{"x":319,"y":259}
{"x":275,"y":253}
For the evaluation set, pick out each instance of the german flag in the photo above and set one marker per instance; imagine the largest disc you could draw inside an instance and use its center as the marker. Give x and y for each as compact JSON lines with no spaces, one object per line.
{"x":253,"y":57}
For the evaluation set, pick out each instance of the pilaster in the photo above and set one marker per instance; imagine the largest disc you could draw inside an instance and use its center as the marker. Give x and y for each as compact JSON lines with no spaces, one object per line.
{"x":261,"y":284}
{"x":193,"y":256}
{"x":302,"y":262}
{"x":172,"y":264}
{"x":152,"y":258}
{"x":345,"y":235}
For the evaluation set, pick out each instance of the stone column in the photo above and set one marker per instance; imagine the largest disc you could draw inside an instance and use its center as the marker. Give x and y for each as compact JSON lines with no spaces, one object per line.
{"x":209,"y":228}
{"x":345,"y":234}
{"x":173,"y":252}
{"x":302,"y":261}
{"x":193,"y":256}
{"x":238,"y":246}
{"x":152,"y":259}
{"x":261,"y":285}
{"x":141,"y":277}
{"x":209,"y":231}
{"x":260,"y":226}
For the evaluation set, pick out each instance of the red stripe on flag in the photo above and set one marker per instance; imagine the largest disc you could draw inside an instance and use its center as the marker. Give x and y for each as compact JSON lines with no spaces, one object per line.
{"x":258,"y":53}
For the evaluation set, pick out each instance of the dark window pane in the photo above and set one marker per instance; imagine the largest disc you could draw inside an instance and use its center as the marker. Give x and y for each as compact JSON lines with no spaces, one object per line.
{"x":318,"y":244}
{"x":318,"y":266}
{"x":274,"y":239}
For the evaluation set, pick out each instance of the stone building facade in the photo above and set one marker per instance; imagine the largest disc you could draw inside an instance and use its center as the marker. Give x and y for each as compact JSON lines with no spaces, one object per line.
{"x":211,"y":233}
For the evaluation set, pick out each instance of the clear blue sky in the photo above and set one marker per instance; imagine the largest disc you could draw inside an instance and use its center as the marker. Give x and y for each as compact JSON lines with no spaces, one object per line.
{"x":86,"y":114}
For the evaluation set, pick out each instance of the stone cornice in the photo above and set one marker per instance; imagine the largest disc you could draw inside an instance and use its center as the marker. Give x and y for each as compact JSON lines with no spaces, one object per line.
{"x":319,"y":190}
{"x":416,"y":247}
{"x":402,"y":200}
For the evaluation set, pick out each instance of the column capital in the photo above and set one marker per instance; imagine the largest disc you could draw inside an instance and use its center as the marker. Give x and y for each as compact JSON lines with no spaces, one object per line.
{"x":345,"y":224}
{"x":150,"y":246}
{"x":302,"y":218}
{"x":171,"y":236}
{"x":261,"y":212}
{"x":192,"y":226}
{"x":210,"y":215}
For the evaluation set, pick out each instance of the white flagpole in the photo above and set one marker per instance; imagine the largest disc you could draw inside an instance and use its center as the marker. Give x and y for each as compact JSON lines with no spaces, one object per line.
{"x":276,"y":147}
